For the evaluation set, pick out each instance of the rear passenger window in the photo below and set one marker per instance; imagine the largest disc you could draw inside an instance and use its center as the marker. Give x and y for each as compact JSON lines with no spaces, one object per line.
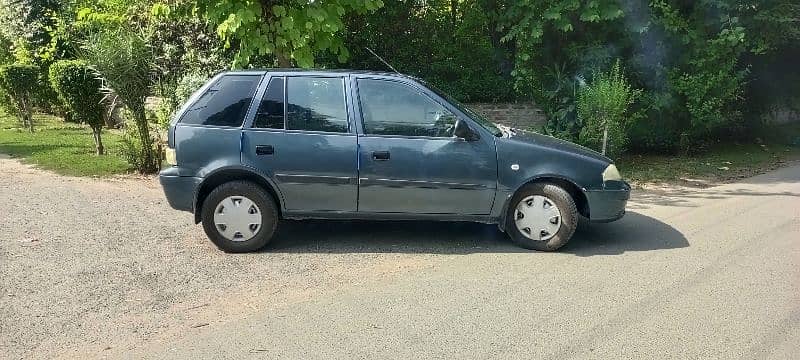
{"x":316,"y":104}
{"x":270,"y":111}
{"x":225,"y":103}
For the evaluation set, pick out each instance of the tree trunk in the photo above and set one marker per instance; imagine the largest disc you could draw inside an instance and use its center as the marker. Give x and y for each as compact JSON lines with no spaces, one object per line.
{"x":27,"y":117}
{"x":98,"y":142}
{"x":605,"y":137}
{"x":502,"y":52}
{"x":148,"y":165}
{"x":454,"y":14}
{"x":283,"y":60}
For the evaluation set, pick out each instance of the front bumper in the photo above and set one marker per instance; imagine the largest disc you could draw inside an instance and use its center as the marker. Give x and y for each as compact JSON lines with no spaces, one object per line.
{"x":609,"y":204}
{"x":179,"y":190}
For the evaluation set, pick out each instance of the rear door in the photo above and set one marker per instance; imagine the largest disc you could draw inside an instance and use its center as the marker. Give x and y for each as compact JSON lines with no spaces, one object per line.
{"x":301,"y":137}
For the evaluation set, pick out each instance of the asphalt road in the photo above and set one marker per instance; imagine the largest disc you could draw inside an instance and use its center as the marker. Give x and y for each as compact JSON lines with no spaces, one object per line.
{"x":710,"y":273}
{"x":103,"y":268}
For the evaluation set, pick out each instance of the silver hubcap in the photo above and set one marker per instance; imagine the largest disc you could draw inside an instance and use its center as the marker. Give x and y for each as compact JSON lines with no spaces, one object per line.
{"x":537,"y":217}
{"x":237,"y":218}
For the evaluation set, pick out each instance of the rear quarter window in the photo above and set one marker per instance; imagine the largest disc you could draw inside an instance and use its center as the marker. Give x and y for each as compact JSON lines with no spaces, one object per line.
{"x":225,"y":103}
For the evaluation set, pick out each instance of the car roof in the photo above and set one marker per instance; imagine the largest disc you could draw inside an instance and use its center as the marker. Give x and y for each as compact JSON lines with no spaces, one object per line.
{"x":319,"y":72}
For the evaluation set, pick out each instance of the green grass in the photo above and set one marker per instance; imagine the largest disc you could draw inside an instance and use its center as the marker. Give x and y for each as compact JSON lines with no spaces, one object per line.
{"x":723,"y":163}
{"x":64,"y":148}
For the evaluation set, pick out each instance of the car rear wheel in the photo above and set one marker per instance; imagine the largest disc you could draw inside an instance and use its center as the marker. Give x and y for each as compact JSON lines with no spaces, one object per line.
{"x":541,"y":216}
{"x":239,"y":216}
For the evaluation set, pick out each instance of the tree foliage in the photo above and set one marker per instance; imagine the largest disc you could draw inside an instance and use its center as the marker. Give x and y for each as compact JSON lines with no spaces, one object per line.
{"x":453,"y":45}
{"x":707,"y":69}
{"x":26,"y":21}
{"x":290,"y":30}
{"x":692,"y":59}
{"x":78,"y":87}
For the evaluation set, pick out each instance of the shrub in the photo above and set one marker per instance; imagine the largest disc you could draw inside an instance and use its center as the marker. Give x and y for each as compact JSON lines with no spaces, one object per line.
{"x":132,"y":145}
{"x":557,"y":94}
{"x":658,"y":131}
{"x":78,"y":88}
{"x":602,"y":108}
{"x":19,"y":83}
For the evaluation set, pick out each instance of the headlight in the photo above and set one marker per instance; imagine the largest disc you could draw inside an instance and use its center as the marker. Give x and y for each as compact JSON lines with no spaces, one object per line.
{"x":611,"y":173}
{"x":169,"y":156}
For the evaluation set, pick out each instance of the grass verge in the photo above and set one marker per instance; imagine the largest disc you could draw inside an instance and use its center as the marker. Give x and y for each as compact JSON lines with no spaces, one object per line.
{"x":723,"y":163}
{"x":64,"y":148}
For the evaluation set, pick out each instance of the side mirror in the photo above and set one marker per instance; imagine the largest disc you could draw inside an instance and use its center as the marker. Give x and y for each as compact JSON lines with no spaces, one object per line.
{"x":463,"y":131}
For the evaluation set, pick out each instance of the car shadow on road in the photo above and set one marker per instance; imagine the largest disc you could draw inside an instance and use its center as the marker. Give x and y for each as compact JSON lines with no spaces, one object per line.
{"x":635,"y":232}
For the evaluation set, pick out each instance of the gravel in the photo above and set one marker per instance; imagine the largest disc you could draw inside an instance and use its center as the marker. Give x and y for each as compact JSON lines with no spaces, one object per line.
{"x":92,"y":265}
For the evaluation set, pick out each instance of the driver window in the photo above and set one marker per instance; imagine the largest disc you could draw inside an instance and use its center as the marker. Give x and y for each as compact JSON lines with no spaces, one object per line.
{"x":391,"y":108}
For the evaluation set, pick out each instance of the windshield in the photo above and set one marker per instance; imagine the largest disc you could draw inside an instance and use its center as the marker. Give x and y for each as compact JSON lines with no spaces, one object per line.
{"x":482,"y":121}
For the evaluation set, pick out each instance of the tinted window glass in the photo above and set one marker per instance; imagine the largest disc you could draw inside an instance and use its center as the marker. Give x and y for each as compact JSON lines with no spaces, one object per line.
{"x":316,"y":104}
{"x":391,"y":108}
{"x":224,"y":103}
{"x":270,"y":111}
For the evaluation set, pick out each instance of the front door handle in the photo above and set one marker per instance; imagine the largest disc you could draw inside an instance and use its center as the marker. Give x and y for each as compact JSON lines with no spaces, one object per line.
{"x":380,"y":155}
{"x":264,"y":150}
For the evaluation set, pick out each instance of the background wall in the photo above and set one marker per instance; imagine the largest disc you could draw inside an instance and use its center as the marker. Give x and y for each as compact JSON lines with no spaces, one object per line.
{"x":522,"y":115}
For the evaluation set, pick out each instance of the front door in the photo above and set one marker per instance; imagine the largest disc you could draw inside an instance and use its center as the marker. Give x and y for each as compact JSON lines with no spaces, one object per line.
{"x":409,"y":160}
{"x":301,"y":138}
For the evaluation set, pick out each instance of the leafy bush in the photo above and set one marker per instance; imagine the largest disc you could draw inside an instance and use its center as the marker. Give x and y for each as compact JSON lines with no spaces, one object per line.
{"x":557,"y":95}
{"x":19,"y":82}
{"x":78,"y":88}
{"x":603,"y":109}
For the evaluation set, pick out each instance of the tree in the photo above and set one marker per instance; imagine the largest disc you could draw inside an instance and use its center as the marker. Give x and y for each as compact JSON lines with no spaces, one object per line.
{"x":289,"y":30}
{"x":78,"y":87}
{"x":124,"y":61}
{"x":19,"y":82}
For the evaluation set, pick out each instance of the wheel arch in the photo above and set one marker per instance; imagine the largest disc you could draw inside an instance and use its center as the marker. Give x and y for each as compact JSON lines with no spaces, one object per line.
{"x":221,"y":176}
{"x":575,"y":191}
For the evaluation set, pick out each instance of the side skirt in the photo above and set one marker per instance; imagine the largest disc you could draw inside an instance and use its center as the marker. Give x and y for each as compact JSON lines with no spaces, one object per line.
{"x":349,"y":215}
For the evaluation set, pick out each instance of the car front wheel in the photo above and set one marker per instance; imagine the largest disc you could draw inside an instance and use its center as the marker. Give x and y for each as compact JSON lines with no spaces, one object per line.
{"x":239,"y":216}
{"x":541,"y":216}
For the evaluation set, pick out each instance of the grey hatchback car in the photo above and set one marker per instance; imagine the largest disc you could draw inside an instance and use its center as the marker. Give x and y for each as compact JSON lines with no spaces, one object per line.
{"x":250,"y":148}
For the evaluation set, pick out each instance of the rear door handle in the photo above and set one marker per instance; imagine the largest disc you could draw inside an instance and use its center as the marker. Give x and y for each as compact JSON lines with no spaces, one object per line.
{"x":380,"y":155}
{"x":264,"y":150}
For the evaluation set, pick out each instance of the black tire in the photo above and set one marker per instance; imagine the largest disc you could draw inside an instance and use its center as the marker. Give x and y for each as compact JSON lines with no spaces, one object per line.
{"x":266,"y":206}
{"x":566,"y":206}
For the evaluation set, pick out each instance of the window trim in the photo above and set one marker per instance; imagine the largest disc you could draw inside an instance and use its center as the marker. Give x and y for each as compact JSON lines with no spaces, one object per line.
{"x":342,"y":78}
{"x":408,"y":85}
{"x":262,"y":91}
{"x":213,"y":81}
